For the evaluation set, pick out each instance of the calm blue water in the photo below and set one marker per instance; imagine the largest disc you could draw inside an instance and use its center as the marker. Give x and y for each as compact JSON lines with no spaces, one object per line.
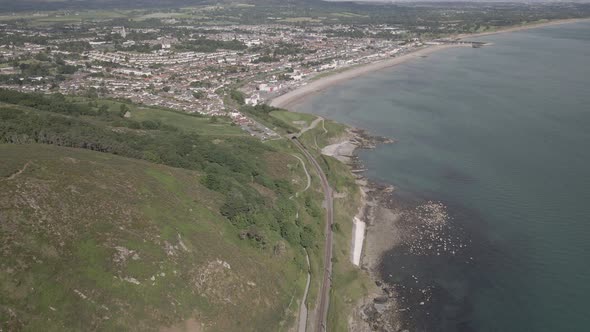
{"x":502,"y":136}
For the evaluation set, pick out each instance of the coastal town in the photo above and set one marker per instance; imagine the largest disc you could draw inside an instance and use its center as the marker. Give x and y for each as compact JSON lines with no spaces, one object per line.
{"x":222,"y":60}
{"x":188,"y":165}
{"x":212,"y":71}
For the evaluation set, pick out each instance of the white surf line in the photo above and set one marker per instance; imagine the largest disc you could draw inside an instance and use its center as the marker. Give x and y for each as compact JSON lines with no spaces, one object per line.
{"x":306,"y":173}
{"x":302,"y":326}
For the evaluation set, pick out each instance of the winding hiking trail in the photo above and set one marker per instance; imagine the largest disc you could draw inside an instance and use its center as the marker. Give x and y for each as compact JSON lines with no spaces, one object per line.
{"x":302,"y":320}
{"x":306,"y":173}
{"x":322,"y":309}
{"x":312,"y":125}
{"x":17,"y":173}
{"x":323,"y":296}
{"x":302,"y":325}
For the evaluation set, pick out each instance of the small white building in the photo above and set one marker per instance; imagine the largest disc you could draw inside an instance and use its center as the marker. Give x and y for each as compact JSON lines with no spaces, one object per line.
{"x":269,"y":88}
{"x":253,"y":100}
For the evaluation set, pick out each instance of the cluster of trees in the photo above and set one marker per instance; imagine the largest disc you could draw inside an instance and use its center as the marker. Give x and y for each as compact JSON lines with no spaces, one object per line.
{"x":209,"y":45}
{"x":200,"y":84}
{"x":283,"y":48}
{"x":229,"y":168}
{"x":266,"y":58}
{"x":237,"y":96}
{"x":75,"y":46}
{"x":352,"y":33}
{"x":317,"y":63}
{"x":358,"y":33}
{"x":139,"y":36}
{"x":58,"y":103}
{"x":10,"y":79}
{"x":34,"y":69}
{"x":55,"y":103}
{"x":20,"y":40}
{"x":139,"y":48}
{"x":50,"y":68}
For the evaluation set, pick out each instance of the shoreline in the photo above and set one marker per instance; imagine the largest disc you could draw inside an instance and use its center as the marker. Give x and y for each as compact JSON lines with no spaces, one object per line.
{"x":377,"y":215}
{"x":523,"y":27}
{"x":294,"y":97}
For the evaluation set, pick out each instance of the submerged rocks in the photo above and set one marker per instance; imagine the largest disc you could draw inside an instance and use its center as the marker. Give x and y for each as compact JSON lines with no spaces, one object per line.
{"x":410,"y":240}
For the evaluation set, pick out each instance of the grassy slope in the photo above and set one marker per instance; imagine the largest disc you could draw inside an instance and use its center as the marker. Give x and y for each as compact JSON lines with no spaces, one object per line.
{"x":102,"y":202}
{"x":66,"y":214}
{"x":189,"y":123}
{"x":201,"y":125}
{"x":349,"y":283}
{"x":297,"y":120}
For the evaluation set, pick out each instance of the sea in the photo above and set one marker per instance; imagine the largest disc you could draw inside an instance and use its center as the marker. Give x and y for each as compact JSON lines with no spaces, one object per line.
{"x":501,"y":136}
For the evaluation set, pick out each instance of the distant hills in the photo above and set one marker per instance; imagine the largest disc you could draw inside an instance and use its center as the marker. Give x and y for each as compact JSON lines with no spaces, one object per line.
{"x":41,"y":5}
{"x":47,"y":5}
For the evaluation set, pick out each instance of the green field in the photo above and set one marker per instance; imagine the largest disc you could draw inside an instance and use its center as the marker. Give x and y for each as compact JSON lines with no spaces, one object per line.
{"x":200,"y":125}
{"x":49,"y":18}
{"x":298,"y":120}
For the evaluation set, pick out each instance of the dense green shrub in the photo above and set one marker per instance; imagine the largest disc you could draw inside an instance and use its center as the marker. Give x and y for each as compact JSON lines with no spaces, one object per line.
{"x":229,"y":168}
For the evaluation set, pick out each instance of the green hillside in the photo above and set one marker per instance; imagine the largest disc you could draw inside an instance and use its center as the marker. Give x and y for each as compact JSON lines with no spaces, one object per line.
{"x":116,"y":223}
{"x":92,"y":240}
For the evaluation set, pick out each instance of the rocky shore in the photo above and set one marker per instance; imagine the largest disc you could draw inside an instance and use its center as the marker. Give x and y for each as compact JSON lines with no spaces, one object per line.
{"x":399,"y":231}
{"x":344,"y":149}
{"x":377,"y":311}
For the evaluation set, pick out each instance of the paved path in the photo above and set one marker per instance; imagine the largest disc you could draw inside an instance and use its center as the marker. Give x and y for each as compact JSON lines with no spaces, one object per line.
{"x":324,"y":295}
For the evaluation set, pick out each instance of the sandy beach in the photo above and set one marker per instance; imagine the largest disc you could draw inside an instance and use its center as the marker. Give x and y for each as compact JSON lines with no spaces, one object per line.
{"x":523,"y":27}
{"x":292,"y":98}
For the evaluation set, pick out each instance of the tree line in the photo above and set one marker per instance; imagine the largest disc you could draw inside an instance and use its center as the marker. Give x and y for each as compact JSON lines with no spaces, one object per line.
{"x":232,"y":168}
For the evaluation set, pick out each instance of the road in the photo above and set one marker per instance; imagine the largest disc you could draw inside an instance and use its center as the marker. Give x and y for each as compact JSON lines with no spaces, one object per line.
{"x":324,"y":295}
